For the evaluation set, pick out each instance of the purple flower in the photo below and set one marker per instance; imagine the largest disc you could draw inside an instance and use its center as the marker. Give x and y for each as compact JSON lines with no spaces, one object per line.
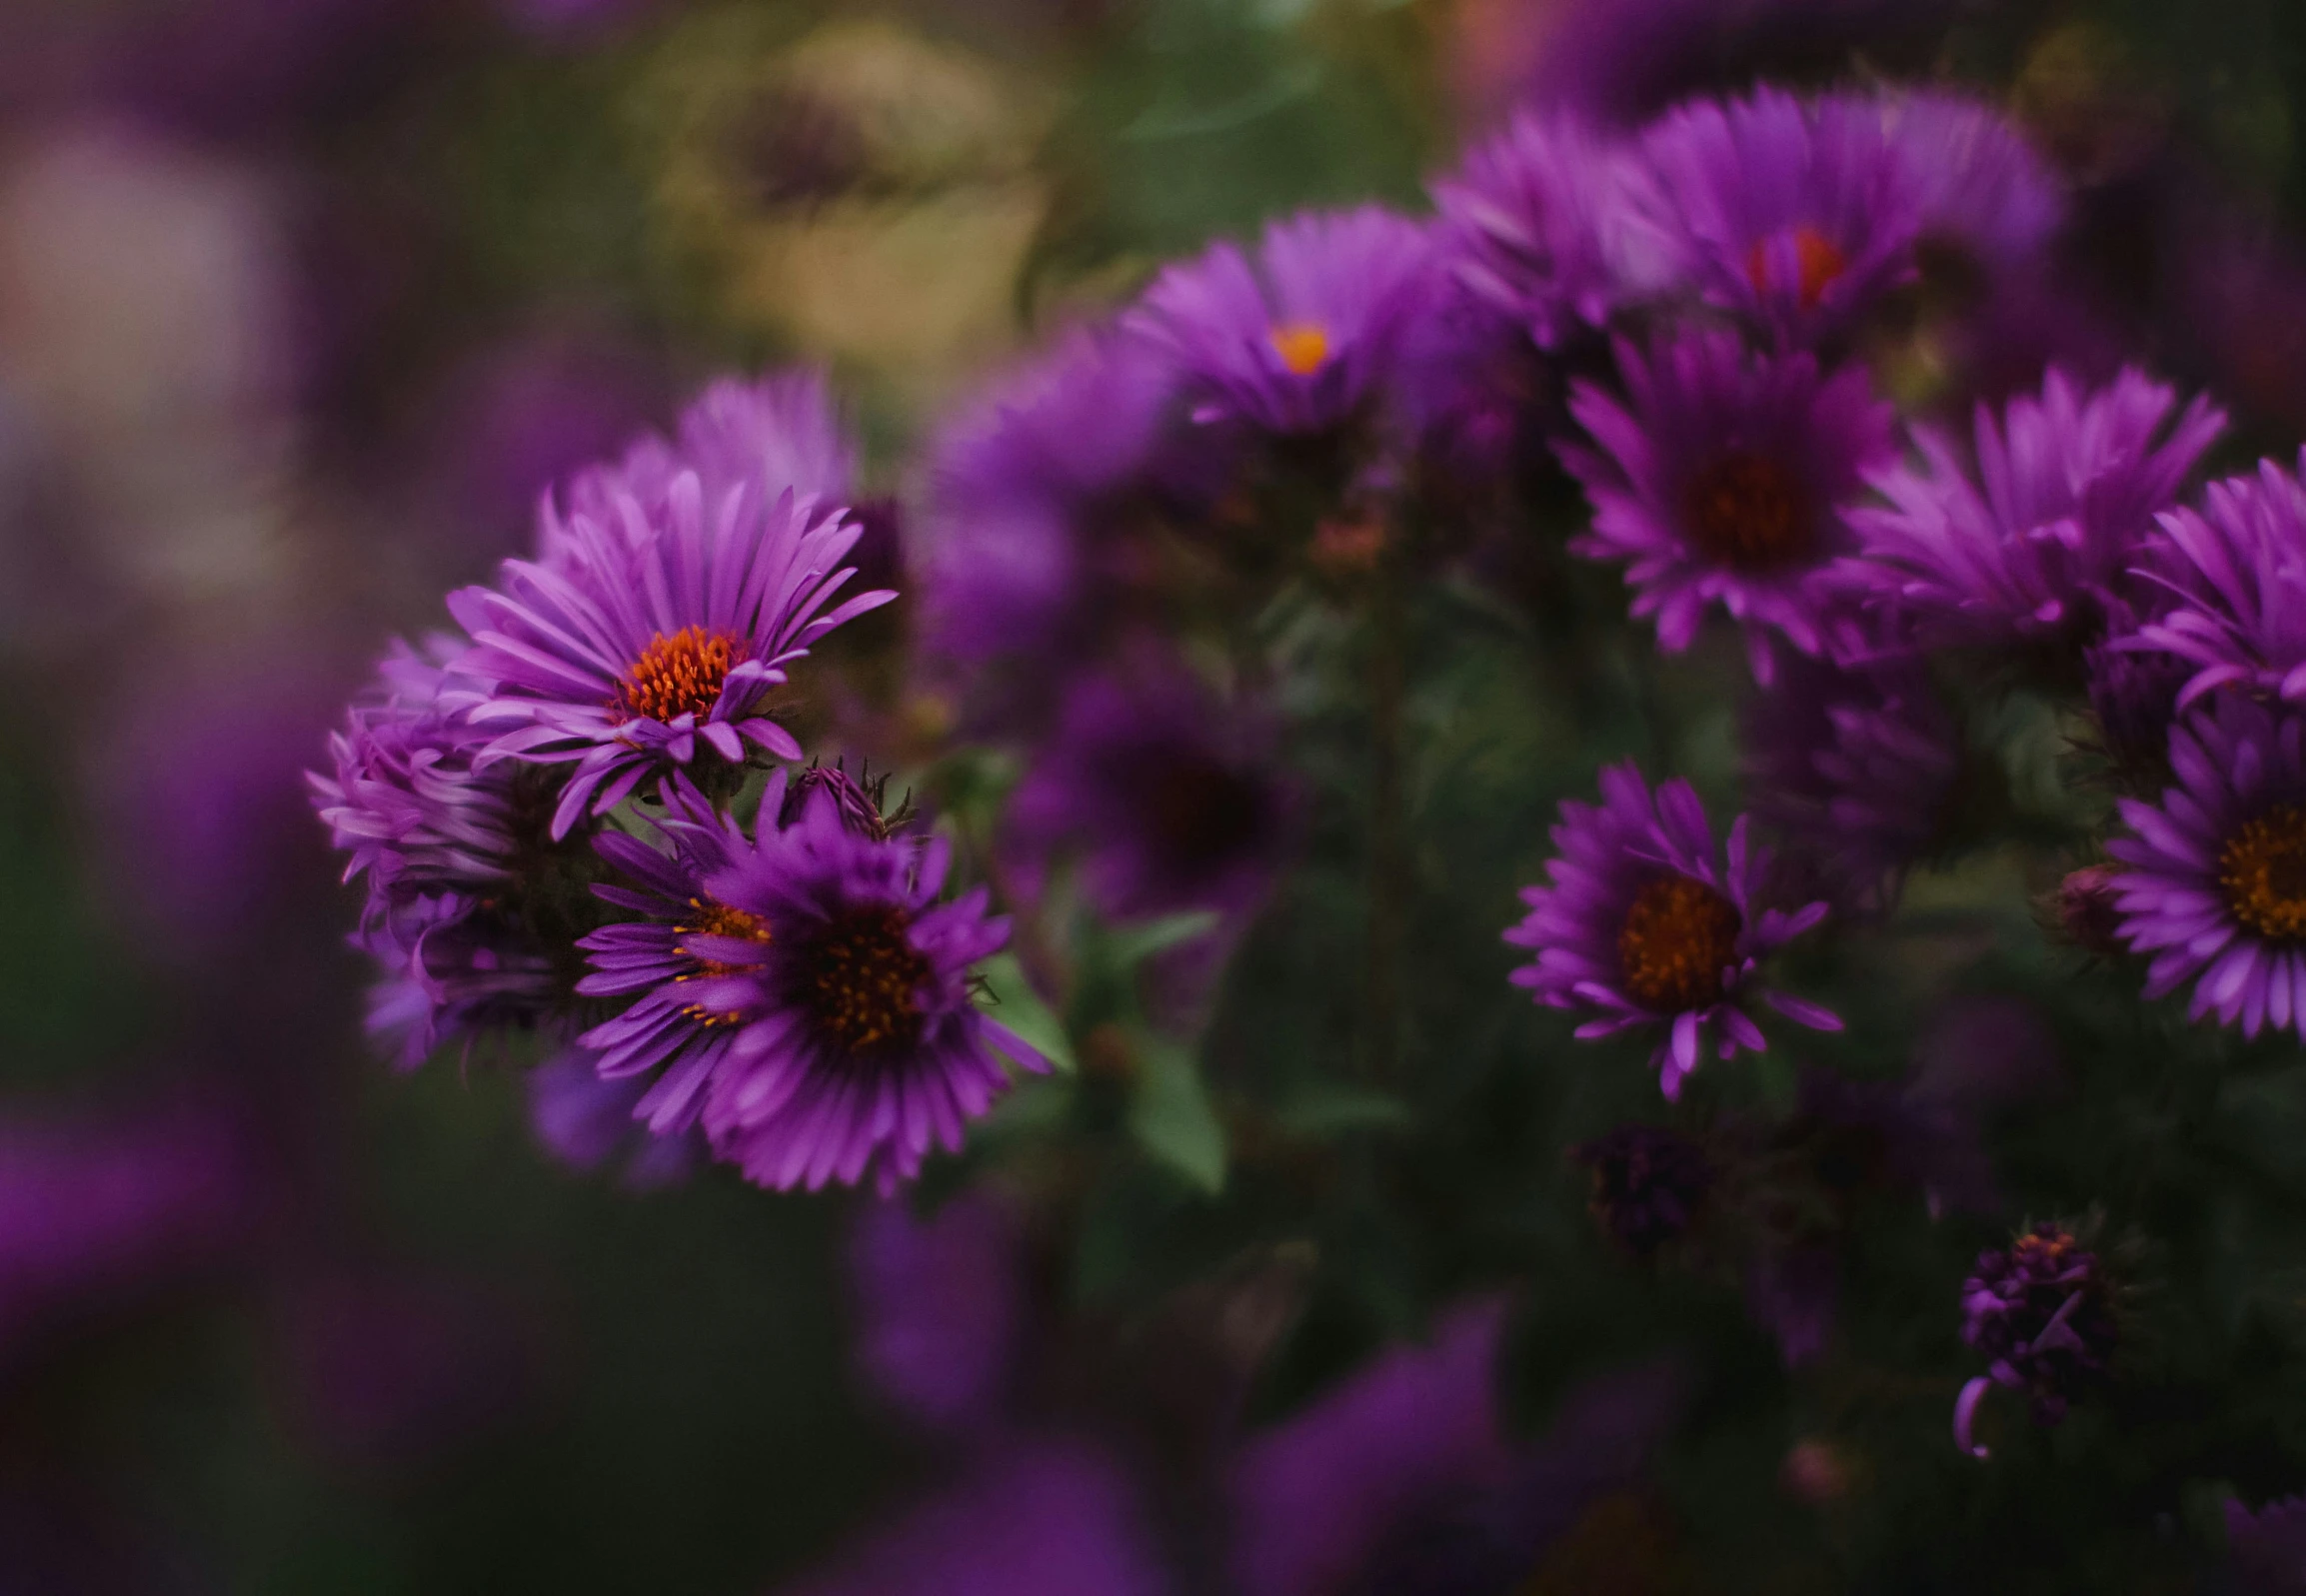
{"x":2029,"y":534}
{"x":1163,"y":794}
{"x":2041,"y":1312}
{"x":1720,"y":479}
{"x":2234,"y":584}
{"x":804,"y":989}
{"x":1649,"y":1184}
{"x":1535,"y":225}
{"x":1797,"y":213}
{"x":655,"y":634}
{"x":2215,"y":886}
{"x":1853,"y":765}
{"x":404,"y":803}
{"x":1300,"y":337}
{"x":1050,"y":1517}
{"x":454,"y":966}
{"x":2135,"y":696}
{"x":585,"y":1120}
{"x":1643,"y":925}
{"x":938,"y":1308}
{"x":1979,"y":188}
{"x":1027,"y":484}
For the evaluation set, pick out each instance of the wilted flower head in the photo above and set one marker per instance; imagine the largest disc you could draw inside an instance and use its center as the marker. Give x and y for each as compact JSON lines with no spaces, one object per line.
{"x":2032,"y":534}
{"x":455,"y":967}
{"x":1536,"y":225}
{"x":654,"y":636}
{"x":2088,"y":911}
{"x":2214,"y":884}
{"x":1721,"y":479}
{"x":2234,"y":587}
{"x":1649,"y":1184}
{"x":1800,"y":213}
{"x":2041,"y":1312}
{"x":1296,"y":338}
{"x":1644,"y":923}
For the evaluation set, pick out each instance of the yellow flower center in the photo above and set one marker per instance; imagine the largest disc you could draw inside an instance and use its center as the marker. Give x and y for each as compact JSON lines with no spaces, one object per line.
{"x":2263,"y":869}
{"x":1302,"y":346}
{"x":1678,"y":937}
{"x":860,"y":978}
{"x":678,"y":675}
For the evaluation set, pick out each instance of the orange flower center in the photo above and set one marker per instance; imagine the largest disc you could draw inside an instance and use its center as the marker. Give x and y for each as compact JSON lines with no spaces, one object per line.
{"x":1678,"y":937}
{"x":860,"y":978}
{"x":1302,"y":346}
{"x":678,"y":675}
{"x":2049,"y":1250}
{"x":1817,"y":262}
{"x":1747,"y":511}
{"x":2263,"y":869}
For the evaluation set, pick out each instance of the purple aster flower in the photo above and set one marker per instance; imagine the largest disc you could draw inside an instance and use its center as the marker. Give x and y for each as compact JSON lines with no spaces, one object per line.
{"x":1649,"y":1184}
{"x":938,"y":1308}
{"x":2234,"y":605}
{"x":1644,"y":923}
{"x":1534,"y":224}
{"x":1853,"y":765}
{"x":585,"y":1120}
{"x":2266,"y":1550}
{"x":1299,"y":338}
{"x":1168,"y":799}
{"x":2028,"y":536}
{"x":2215,"y":884}
{"x":1721,"y":478}
{"x":1799,"y":213}
{"x":2135,"y":696}
{"x":2041,"y":1312}
{"x":404,"y":803}
{"x":1027,"y":485}
{"x":454,"y":966}
{"x":654,"y":636}
{"x":1980,"y":188}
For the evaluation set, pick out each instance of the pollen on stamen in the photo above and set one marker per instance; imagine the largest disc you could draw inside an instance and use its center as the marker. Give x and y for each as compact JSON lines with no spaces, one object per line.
{"x":675,"y":675}
{"x":2263,"y":870}
{"x":1302,"y":346}
{"x":1680,"y":936}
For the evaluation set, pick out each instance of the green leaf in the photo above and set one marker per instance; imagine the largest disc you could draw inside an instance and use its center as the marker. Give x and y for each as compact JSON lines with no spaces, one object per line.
{"x":1016,"y":1004}
{"x":1172,"y":1118}
{"x":1131,"y":945}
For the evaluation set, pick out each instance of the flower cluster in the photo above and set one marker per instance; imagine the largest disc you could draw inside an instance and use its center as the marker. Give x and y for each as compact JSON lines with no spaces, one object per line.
{"x":544,"y":808}
{"x":2041,"y":1312}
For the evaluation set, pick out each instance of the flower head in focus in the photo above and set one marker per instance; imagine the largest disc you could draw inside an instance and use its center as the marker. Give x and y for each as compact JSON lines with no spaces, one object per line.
{"x":1298,"y":338}
{"x":1645,"y":921}
{"x":2214,"y":878}
{"x":2032,"y":532}
{"x":2041,"y":1312}
{"x":654,"y":634}
{"x":1799,"y":213}
{"x":1721,"y":478}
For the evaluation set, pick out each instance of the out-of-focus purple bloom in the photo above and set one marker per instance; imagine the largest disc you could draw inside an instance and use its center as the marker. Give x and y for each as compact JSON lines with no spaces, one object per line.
{"x":1981,"y":190}
{"x":1852,"y":766}
{"x":1721,"y":479}
{"x":585,"y":1120}
{"x":1314,"y":1499}
{"x":1643,"y":924}
{"x":2041,"y":1312}
{"x":2234,"y":587}
{"x":938,"y":1308}
{"x":570,"y":21}
{"x":2029,"y":534}
{"x":1534,"y":224}
{"x":1161,"y":793}
{"x":2134,"y":695}
{"x":854,"y":1040}
{"x":2266,"y":1550}
{"x":453,"y":968}
{"x":1980,"y":1055}
{"x":2215,"y":883}
{"x":1025,"y":483}
{"x":1649,"y":1184}
{"x":1056,"y":1517}
{"x":1299,"y":338}
{"x":95,"y":1211}
{"x":652,"y":635}
{"x":1800,"y":213}
{"x":1792,"y":1292}
{"x":2089,"y":911}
